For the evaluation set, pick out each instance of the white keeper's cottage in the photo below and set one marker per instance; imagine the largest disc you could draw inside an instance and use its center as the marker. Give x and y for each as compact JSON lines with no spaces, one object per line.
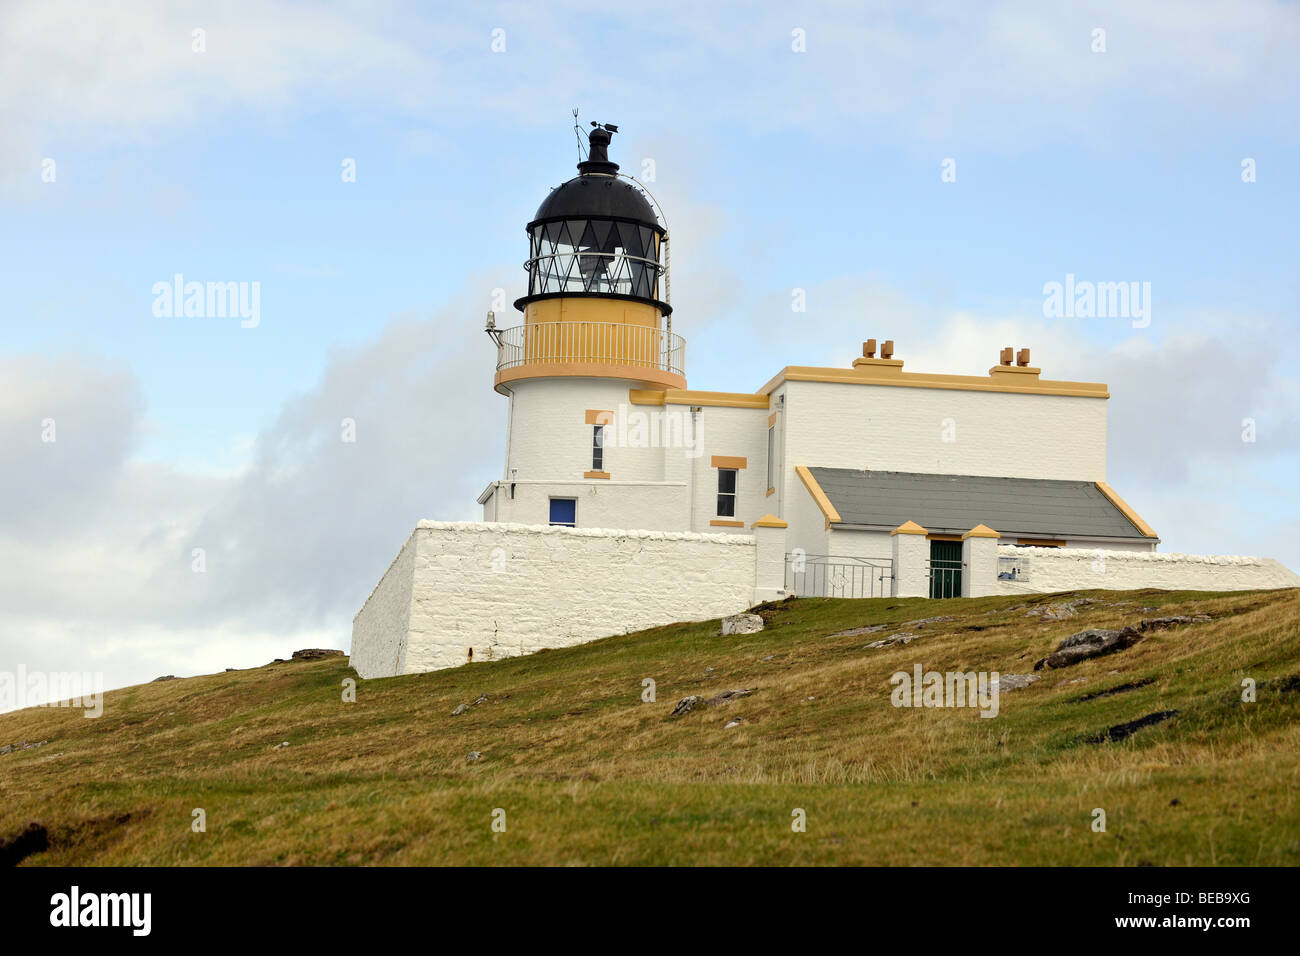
{"x":628,"y":499}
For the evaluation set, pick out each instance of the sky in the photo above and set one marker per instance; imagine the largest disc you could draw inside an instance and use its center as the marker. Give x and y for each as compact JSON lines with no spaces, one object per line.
{"x":919,"y":171}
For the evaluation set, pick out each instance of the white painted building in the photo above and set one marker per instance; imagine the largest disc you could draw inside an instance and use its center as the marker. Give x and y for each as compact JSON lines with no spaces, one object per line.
{"x":863,"y":481}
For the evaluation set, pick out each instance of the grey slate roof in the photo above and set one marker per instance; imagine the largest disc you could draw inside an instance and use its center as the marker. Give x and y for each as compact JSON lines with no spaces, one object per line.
{"x":953,"y":504}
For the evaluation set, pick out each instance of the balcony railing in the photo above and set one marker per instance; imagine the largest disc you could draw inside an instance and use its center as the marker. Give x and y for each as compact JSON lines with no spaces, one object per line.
{"x":600,"y":343}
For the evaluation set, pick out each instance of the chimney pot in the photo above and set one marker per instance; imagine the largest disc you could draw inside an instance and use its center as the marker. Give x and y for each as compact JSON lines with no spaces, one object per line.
{"x":869,"y":348}
{"x":887,"y":350}
{"x":1006,"y":355}
{"x":1022,"y":359}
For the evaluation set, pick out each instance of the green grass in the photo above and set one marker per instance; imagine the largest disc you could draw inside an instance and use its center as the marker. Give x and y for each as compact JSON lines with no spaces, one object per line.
{"x":588,"y":773}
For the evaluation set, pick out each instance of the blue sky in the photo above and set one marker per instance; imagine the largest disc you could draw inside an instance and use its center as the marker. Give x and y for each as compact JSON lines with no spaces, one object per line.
{"x":777,"y":169}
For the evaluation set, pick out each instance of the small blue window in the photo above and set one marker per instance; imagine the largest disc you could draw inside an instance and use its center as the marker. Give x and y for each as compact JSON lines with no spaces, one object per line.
{"x":564,"y":512}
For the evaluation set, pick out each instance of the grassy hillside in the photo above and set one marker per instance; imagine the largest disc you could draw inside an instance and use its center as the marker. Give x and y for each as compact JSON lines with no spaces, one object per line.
{"x":588,"y":773}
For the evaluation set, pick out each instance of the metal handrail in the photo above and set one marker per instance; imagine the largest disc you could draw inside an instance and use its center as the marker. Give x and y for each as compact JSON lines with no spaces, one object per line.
{"x":616,"y":343}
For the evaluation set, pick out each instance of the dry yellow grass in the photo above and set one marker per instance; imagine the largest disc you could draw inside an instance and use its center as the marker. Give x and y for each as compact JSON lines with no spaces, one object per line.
{"x":588,"y":773}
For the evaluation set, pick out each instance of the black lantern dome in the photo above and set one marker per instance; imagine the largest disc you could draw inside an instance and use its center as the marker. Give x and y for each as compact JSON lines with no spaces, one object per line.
{"x":596,"y":235}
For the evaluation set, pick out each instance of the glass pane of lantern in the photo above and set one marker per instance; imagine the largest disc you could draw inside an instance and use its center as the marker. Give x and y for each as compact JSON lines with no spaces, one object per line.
{"x":576,"y":227}
{"x":601,"y":230}
{"x":563,"y":263}
{"x":553,"y":233}
{"x":630,"y":240}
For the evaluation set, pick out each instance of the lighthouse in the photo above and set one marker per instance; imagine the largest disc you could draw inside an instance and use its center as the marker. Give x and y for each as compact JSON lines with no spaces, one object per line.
{"x":596,"y":328}
{"x":628,"y":500}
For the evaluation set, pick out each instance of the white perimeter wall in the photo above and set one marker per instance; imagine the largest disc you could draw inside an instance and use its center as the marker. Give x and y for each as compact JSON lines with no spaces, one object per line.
{"x":1137,"y":544}
{"x":1067,"y":569}
{"x":510,"y":589}
{"x":379,"y":629}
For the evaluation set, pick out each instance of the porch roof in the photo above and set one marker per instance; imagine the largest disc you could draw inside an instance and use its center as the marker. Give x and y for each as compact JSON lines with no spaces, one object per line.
{"x":953,"y":504}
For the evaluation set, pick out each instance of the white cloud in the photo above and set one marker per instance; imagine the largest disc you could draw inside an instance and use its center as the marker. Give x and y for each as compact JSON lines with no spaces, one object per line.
{"x":96,"y":548}
{"x":1012,"y":74}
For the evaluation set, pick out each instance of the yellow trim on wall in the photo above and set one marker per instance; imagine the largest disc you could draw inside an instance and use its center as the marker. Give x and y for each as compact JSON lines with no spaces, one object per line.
{"x":769,"y":521}
{"x":719,"y":523}
{"x":727,"y":461}
{"x":909,"y":527}
{"x":770,"y":493}
{"x":1040,"y":543}
{"x":818,"y":495}
{"x":634,"y":373}
{"x":600,"y":416}
{"x":943,"y":537}
{"x":771,"y":419}
{"x":678,"y":396}
{"x":872,"y":375}
{"x":1122,"y":505}
{"x":595,"y":474}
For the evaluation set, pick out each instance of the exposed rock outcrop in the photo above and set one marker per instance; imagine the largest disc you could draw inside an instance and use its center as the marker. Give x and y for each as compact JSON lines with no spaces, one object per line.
{"x":744,"y":623}
{"x":1094,"y":642}
{"x":685,"y":705}
{"x":315,"y":653}
{"x":1099,"y":641}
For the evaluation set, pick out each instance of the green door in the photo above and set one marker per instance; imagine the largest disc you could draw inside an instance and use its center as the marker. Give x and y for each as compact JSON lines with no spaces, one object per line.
{"x":945,"y":569}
